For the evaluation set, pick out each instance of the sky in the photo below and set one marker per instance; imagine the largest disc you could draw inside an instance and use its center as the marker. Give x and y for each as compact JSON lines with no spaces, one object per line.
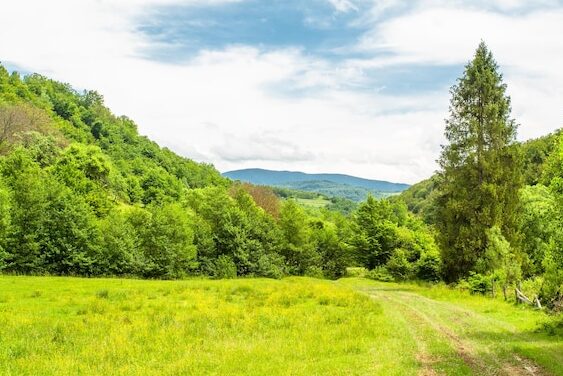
{"x":339,"y":86}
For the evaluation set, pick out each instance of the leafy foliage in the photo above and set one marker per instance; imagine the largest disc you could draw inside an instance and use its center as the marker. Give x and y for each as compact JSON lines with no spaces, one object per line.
{"x":82,"y":193}
{"x":387,"y":235}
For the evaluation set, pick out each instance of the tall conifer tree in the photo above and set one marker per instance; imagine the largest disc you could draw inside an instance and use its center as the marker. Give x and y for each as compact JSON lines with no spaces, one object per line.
{"x":480,"y":174}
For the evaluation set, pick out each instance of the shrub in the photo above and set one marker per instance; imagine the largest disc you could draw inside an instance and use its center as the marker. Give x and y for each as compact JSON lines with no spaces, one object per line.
{"x":314,"y":271}
{"x":477,"y":283}
{"x":552,"y":289}
{"x":532,"y":287}
{"x":270,"y":266}
{"x":399,"y":266}
{"x":552,"y":326}
{"x":224,"y":267}
{"x":428,"y":267}
{"x":356,"y":272}
{"x":380,"y":273}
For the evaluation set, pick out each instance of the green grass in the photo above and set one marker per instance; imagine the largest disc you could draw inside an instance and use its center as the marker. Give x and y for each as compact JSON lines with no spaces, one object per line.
{"x":296,"y":326}
{"x":463,"y":334}
{"x":313,"y":202}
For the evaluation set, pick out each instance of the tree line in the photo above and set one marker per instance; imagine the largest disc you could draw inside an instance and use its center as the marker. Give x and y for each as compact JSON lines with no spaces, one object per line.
{"x":82,"y":193}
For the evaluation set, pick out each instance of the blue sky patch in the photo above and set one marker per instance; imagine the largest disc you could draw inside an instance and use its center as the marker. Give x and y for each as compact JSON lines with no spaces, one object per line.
{"x":413,"y":78}
{"x":405,"y":79}
{"x":316,"y":26}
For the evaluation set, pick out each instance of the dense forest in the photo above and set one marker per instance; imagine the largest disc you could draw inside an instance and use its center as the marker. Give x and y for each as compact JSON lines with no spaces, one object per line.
{"x":82,"y":193}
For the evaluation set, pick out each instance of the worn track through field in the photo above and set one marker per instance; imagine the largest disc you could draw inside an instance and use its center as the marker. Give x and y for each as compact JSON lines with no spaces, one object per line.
{"x":446,"y":337}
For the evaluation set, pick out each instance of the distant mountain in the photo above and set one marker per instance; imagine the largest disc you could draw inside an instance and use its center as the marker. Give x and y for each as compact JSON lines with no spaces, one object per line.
{"x":332,"y":185}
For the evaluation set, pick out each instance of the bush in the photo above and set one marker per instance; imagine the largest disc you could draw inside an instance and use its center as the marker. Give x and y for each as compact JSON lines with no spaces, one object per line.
{"x":270,"y":266}
{"x":428,"y":267}
{"x":399,"y":266}
{"x":380,"y":273}
{"x":357,"y":272}
{"x":552,"y":326}
{"x":552,"y":289}
{"x":314,"y":271}
{"x":224,"y":267}
{"x":476,"y":284}
{"x":532,"y":287}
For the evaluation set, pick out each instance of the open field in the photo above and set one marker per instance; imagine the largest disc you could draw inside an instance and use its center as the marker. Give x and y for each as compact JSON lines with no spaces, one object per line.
{"x":296,"y":326}
{"x":313,"y":202}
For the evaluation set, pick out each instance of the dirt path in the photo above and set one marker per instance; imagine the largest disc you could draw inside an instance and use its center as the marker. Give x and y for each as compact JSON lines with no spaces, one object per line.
{"x":450,"y":339}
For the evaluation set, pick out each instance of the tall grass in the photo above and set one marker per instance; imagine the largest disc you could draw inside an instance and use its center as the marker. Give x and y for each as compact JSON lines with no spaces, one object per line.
{"x":297,"y":326}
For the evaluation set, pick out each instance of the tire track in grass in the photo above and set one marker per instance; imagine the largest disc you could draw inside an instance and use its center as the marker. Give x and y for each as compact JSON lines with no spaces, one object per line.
{"x":427,"y":313}
{"x":463,"y":349}
{"x":435,"y":354}
{"x":423,"y":357}
{"x":469,"y":321}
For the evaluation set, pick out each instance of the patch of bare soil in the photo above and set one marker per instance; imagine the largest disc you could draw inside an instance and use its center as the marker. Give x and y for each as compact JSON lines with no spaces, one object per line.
{"x":523,"y":367}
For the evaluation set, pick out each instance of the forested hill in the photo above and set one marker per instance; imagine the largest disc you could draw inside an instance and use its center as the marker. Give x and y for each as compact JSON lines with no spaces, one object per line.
{"x":82,"y":193}
{"x":49,"y":116}
{"x":271,"y":177}
{"x":333,"y":185}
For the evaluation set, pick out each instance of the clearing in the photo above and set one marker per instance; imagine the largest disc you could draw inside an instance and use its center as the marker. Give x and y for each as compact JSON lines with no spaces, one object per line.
{"x":296,"y":326}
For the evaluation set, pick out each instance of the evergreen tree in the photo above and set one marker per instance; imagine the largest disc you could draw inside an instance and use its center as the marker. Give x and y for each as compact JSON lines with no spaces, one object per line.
{"x":479,"y":167}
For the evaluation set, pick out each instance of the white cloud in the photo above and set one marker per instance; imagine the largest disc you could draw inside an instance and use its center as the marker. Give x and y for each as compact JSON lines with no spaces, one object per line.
{"x":343,"y":5}
{"x":528,"y":48}
{"x":220,"y":106}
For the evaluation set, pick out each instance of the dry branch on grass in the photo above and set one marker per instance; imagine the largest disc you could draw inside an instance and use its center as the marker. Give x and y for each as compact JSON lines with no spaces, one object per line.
{"x":520,"y":297}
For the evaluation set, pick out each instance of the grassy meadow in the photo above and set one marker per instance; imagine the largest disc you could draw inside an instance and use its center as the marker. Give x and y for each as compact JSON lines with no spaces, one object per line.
{"x":294,"y":326}
{"x":299,"y":326}
{"x":317,"y":203}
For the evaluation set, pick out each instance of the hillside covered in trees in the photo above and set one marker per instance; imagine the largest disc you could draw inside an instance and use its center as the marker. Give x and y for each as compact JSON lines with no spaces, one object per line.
{"x":82,"y":193}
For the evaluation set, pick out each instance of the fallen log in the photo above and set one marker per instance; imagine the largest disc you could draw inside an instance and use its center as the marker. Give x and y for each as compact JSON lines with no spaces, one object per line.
{"x":524,"y":299}
{"x":538,"y":303}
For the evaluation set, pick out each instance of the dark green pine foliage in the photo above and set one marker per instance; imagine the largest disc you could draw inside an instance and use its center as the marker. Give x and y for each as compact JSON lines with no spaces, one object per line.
{"x":480,"y":172}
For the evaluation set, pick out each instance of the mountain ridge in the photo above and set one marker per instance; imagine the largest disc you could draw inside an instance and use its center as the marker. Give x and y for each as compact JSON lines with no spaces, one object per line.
{"x":268,"y":177}
{"x":332,"y":185}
